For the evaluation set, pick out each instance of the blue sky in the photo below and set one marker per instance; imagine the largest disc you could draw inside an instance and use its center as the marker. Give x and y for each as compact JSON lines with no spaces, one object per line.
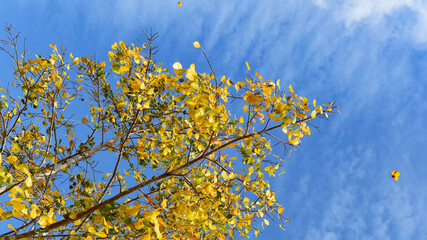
{"x":369,"y":56}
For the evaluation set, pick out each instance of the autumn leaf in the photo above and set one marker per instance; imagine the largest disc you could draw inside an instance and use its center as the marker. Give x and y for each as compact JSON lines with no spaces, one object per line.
{"x":180,"y":3}
{"x":197,"y":44}
{"x":253,"y":98}
{"x":395,"y":174}
{"x":294,"y":141}
{"x":177,"y":68}
{"x":247,"y":66}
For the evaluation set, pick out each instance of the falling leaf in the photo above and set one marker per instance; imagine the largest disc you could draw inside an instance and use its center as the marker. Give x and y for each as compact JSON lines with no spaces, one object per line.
{"x":180,"y":3}
{"x":395,"y":174}
{"x":197,"y":44}
{"x":247,"y":65}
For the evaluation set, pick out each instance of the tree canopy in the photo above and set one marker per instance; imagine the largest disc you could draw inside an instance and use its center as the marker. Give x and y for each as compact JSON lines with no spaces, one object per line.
{"x":131,"y":149}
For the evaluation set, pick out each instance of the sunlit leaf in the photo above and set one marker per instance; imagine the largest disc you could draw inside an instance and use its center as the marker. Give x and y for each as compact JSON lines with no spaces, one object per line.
{"x":197,"y":44}
{"x":177,"y":68}
{"x":395,"y":174}
{"x":28,"y":182}
{"x":254,"y":98}
{"x":294,"y":141}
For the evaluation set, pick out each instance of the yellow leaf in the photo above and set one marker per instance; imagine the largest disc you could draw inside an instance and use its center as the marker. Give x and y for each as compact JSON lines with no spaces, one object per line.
{"x":151,"y":91}
{"x":164,"y":203}
{"x":150,"y":200}
{"x":139,"y":224}
{"x":294,"y":141}
{"x":197,"y":44}
{"x":11,"y":227}
{"x":56,"y":193}
{"x":313,"y":114}
{"x":290,"y":88}
{"x":180,"y":3}
{"x":245,"y":108}
{"x":84,"y":120}
{"x":246,"y":201}
{"x":253,"y":98}
{"x":314,"y":102}
{"x":156,"y":228}
{"x":101,"y":234}
{"x":280,"y":210}
{"x":259,"y":76}
{"x":91,"y":230}
{"x":58,"y":84}
{"x":34,"y":211}
{"x":28,"y":182}
{"x":76,"y":61}
{"x":266,"y":222}
{"x":177,"y":68}
{"x":191,"y":73}
{"x":298,"y":133}
{"x":73,"y":215}
{"x":395,"y":174}
{"x":43,"y":221}
{"x":247,"y":66}
{"x":226,"y":81}
{"x":211,"y":226}
{"x":11,"y":159}
{"x":256,"y":232}
{"x":146,"y":105}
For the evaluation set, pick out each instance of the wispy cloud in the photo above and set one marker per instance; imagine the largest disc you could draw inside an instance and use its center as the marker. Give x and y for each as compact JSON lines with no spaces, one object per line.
{"x":357,"y":12}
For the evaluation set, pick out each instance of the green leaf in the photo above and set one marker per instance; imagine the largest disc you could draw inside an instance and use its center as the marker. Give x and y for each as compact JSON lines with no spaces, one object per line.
{"x":116,"y":68}
{"x":180,"y":98}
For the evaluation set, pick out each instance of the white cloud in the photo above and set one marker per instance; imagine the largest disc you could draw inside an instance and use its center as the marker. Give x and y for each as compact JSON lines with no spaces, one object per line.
{"x":356,"y":12}
{"x":320,"y":3}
